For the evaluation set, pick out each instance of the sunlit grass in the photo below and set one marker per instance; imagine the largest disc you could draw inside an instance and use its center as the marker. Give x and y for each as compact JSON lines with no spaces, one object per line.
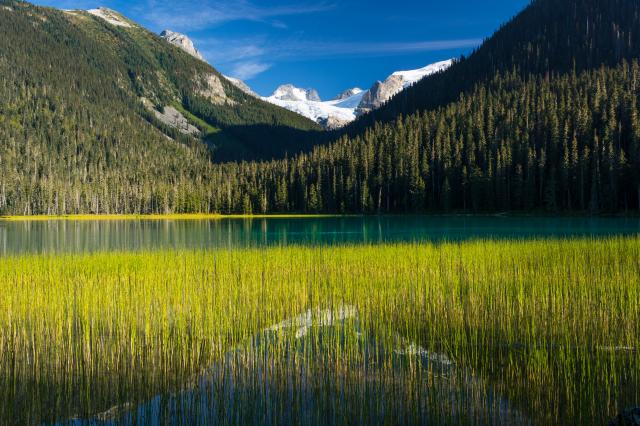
{"x":553,"y":325}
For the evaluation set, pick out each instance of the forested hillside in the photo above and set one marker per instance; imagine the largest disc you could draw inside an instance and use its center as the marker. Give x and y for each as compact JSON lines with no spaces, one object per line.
{"x":549,"y":36}
{"x":77,"y":54}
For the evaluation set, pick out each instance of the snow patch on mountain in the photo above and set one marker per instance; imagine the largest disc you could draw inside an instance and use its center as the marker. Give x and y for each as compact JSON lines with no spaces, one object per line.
{"x":350,"y":102}
{"x":325,"y":113}
{"x":413,"y":76}
{"x":331,"y":114}
{"x":111,"y":16}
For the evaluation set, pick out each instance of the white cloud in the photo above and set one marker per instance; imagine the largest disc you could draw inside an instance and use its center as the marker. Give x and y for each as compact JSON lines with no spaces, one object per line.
{"x":226,"y":51}
{"x":313,"y":49}
{"x":279,"y":25}
{"x":248,"y":70}
{"x":262,"y":49}
{"x":197,"y":14}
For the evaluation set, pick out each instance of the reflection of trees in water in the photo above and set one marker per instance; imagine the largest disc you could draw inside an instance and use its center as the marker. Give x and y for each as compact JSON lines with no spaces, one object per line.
{"x":322,"y":367}
{"x":128,"y":235}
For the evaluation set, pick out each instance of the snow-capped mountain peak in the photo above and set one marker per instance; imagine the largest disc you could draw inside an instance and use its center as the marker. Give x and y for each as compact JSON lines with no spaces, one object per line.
{"x":382,"y":91}
{"x":350,"y":103}
{"x":289,"y":92}
{"x":183,"y":42}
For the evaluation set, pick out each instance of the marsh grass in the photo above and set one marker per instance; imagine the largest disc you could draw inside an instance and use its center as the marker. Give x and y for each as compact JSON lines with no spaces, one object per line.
{"x":552,"y":326}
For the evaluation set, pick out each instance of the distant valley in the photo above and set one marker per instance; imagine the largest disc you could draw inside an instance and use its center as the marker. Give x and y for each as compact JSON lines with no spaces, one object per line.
{"x":334,"y":113}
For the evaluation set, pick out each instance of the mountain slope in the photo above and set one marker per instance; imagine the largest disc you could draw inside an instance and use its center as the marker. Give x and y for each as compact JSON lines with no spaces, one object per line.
{"x":382,"y":91}
{"x":156,"y":74}
{"x":548,"y":36}
{"x":185,"y":43}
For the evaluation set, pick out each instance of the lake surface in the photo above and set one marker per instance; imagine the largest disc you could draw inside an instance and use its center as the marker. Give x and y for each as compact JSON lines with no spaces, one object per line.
{"x":135,"y":235}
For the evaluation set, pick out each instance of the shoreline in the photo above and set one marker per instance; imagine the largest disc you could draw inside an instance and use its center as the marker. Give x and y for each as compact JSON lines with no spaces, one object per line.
{"x":218,"y":216}
{"x":177,"y":216}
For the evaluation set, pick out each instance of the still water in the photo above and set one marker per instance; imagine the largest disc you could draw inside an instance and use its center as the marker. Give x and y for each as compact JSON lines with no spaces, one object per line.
{"x":91,"y":236}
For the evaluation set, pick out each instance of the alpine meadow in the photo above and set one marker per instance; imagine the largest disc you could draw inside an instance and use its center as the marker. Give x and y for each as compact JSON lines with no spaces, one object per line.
{"x":457,"y":244}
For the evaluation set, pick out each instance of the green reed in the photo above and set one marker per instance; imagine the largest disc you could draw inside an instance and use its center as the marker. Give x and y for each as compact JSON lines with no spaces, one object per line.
{"x":552,"y":325}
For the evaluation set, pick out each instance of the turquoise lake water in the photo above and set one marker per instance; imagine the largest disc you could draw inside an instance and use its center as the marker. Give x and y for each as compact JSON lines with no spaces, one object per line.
{"x":91,"y":236}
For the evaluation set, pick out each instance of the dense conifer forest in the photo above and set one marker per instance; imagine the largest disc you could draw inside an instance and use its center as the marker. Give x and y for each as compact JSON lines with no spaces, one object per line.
{"x":542,"y":117}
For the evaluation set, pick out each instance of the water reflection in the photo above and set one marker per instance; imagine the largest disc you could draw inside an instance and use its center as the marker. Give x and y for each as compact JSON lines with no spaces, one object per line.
{"x":324,"y":367}
{"x":91,"y":236}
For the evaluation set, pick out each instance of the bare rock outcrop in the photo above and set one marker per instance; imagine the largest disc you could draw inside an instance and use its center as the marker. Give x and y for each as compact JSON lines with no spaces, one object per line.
{"x":380,"y":93}
{"x":183,"y":42}
{"x":210,"y":86}
{"x":172,"y":118}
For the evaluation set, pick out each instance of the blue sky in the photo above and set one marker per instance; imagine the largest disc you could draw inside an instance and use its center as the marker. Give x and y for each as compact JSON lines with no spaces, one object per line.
{"x":330,"y":45}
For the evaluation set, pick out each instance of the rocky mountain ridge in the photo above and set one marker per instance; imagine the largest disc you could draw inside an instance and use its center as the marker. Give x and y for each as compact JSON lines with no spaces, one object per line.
{"x":348,"y":93}
{"x":183,"y":42}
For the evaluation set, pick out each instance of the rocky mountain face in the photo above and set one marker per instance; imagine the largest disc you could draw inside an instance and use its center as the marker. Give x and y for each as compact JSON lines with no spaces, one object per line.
{"x":183,"y":42}
{"x":348,"y":93}
{"x":379,"y":93}
{"x":186,"y":44}
{"x":382,"y":91}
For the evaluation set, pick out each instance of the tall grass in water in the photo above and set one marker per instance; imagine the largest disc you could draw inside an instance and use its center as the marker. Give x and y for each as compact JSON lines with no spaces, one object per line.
{"x":551,"y":325}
